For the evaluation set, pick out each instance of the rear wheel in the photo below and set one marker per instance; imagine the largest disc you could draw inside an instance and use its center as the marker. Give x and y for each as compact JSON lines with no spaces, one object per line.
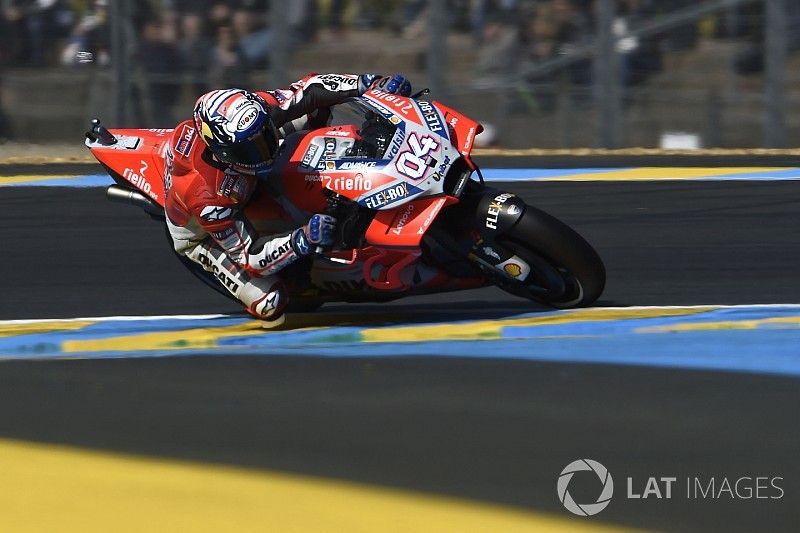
{"x":566,"y":270}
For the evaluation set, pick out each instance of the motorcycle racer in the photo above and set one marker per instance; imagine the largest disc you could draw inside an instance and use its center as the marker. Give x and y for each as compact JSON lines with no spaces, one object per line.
{"x":209,"y":182}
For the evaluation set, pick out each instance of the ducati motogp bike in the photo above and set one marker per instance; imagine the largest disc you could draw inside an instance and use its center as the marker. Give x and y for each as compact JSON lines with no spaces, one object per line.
{"x":398,"y":176}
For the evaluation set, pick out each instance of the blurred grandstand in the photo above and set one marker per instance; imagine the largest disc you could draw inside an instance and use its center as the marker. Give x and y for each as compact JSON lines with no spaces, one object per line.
{"x":714,"y":73}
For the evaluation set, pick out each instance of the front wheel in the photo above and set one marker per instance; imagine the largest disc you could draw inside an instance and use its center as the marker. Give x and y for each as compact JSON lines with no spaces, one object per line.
{"x":565,"y":270}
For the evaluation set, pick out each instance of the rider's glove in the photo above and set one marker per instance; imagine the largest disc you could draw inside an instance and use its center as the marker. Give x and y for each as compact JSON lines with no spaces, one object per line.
{"x":397,"y":84}
{"x":314,"y":236}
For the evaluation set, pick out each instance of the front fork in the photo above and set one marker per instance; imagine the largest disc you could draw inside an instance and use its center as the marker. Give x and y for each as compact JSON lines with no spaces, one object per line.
{"x":495,"y":213}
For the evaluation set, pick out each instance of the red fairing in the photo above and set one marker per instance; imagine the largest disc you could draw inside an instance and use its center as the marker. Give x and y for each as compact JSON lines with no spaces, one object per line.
{"x":390,"y":263}
{"x":401,"y":231}
{"x":462,"y":130}
{"x":400,"y":105}
{"x":138,"y":157}
{"x":405,"y":225}
{"x":303,"y":185}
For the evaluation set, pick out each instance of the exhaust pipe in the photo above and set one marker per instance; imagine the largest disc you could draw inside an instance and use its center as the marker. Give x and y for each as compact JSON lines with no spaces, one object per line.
{"x":118,"y":194}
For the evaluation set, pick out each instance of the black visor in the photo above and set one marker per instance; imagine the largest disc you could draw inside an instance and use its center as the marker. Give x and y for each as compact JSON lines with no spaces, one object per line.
{"x":254,"y":152}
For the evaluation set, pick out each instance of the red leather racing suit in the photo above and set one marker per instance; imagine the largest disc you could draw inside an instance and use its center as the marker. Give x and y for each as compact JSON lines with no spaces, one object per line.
{"x":205,"y":200}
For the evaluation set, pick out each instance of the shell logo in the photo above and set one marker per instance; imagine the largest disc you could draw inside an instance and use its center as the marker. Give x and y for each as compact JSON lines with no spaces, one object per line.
{"x":513,"y":270}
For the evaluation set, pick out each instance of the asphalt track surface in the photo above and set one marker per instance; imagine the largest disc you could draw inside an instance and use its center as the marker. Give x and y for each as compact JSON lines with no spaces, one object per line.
{"x":491,"y":430}
{"x":74,"y":254}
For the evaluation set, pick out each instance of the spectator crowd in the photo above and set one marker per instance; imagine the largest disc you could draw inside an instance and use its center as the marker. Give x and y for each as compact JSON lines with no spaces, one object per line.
{"x":219,"y":43}
{"x":236,"y":34}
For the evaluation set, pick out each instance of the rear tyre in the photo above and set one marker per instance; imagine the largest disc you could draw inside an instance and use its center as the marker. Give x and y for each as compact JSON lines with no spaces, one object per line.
{"x":566,"y":271}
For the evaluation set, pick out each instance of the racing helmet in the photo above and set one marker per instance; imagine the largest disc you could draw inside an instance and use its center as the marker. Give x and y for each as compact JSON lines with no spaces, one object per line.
{"x":237,"y":128}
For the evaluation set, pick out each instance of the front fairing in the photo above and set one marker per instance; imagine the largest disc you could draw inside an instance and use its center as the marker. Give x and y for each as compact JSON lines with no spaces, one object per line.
{"x":372,"y":155}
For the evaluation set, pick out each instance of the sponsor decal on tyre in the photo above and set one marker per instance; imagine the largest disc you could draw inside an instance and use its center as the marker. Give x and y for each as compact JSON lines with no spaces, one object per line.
{"x":494,"y":209}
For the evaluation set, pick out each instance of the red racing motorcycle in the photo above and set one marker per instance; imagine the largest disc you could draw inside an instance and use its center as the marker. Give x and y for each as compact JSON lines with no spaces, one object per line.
{"x":397,"y":175}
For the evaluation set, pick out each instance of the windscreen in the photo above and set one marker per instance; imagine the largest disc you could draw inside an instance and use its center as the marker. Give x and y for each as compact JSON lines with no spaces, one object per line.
{"x":376,"y":131}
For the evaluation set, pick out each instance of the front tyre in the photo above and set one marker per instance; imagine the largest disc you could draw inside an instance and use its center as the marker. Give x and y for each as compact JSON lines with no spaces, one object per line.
{"x":566,"y":271}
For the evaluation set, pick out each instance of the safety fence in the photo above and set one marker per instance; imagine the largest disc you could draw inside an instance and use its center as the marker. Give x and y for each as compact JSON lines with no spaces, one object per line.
{"x":545,"y":73}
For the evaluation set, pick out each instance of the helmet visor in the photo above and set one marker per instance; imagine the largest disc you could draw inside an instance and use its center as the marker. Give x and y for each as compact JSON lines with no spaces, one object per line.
{"x":254,"y":152}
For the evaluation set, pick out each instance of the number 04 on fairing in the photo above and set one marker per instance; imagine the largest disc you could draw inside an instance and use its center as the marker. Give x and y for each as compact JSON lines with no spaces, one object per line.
{"x":397,"y":174}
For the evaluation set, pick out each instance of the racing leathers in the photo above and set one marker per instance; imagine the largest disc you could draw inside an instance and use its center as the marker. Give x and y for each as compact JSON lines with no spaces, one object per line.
{"x":205,"y":199}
